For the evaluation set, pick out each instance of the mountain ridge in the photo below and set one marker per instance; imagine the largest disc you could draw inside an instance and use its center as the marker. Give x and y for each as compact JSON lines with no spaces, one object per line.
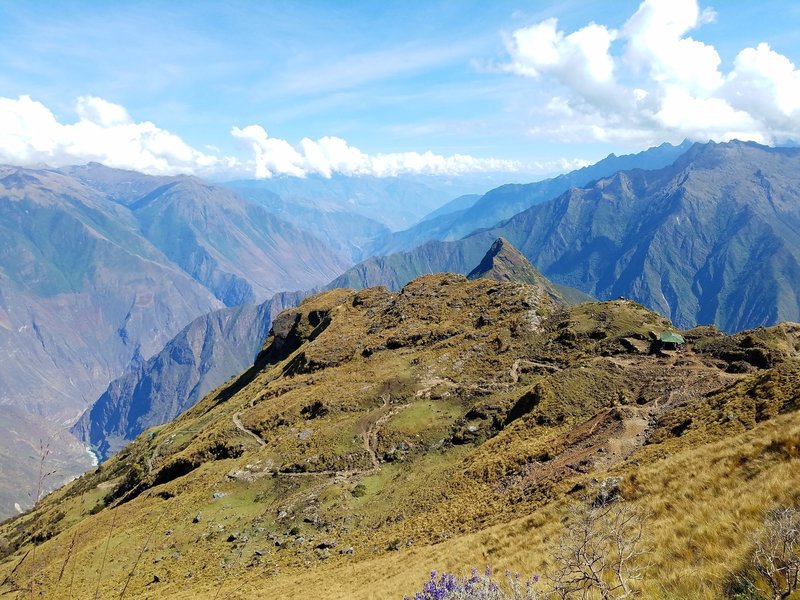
{"x":309,"y":465}
{"x":667,"y":238}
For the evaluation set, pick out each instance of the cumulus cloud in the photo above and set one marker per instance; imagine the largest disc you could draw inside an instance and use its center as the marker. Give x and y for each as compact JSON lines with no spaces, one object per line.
{"x":653,"y":79}
{"x":105,"y":132}
{"x":329,"y":155}
{"x":580,"y":60}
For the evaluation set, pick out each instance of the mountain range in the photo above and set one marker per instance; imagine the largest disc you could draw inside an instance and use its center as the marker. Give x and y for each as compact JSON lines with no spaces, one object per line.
{"x":712,"y":238}
{"x":466,"y":214}
{"x":599,"y":206}
{"x":709,"y":238}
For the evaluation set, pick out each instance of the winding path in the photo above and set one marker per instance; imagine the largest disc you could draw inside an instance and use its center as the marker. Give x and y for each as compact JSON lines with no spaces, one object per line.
{"x":238,"y":422}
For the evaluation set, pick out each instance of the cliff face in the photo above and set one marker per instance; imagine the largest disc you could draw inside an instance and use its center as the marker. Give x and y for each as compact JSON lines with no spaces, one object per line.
{"x":201,"y":357}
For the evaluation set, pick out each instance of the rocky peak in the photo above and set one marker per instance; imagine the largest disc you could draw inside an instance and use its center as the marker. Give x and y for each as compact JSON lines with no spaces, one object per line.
{"x":503,"y":262}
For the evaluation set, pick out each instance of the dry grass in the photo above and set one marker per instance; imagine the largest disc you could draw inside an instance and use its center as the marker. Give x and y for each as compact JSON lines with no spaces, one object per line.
{"x":461,"y":482}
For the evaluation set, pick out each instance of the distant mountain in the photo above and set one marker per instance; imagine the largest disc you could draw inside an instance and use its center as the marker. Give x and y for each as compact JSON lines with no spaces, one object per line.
{"x":712,"y":238}
{"x":237,"y":249}
{"x":345,"y":231}
{"x":203,"y":355}
{"x":99,"y":268}
{"x":507,"y":200}
{"x":83,"y":293}
{"x":395,"y":202}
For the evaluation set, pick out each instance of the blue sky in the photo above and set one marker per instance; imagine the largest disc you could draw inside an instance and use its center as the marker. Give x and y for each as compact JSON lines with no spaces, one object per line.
{"x":232,"y":88}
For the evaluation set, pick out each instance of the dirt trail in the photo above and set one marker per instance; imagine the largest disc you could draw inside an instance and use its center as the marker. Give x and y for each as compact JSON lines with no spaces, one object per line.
{"x":514,"y":372}
{"x":238,"y":423}
{"x":370,"y":430}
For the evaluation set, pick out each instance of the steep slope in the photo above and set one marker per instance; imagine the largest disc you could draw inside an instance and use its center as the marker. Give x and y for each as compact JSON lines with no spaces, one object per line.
{"x":343,"y":230}
{"x":99,"y":268}
{"x":395,"y":202}
{"x":203,"y":355}
{"x":713,"y":238}
{"x":507,"y":200}
{"x":380,"y":435}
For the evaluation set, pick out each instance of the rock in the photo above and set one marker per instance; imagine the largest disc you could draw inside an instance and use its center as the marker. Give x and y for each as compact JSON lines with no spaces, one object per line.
{"x":608,"y":491}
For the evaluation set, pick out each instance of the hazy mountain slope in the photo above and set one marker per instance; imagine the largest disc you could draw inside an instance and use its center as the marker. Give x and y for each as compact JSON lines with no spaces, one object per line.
{"x":83,"y":293}
{"x":507,"y":200}
{"x":395,"y":202}
{"x":93,"y":280}
{"x":345,"y":231}
{"x":234,"y":247}
{"x":381,"y":435}
{"x":713,"y":238}
{"x":202,"y":356}
{"x":455,"y":205}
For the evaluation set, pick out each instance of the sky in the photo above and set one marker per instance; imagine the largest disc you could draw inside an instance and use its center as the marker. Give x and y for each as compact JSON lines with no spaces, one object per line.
{"x":269,"y":88}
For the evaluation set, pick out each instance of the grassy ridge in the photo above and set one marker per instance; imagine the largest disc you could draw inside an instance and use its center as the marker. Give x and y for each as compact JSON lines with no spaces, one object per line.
{"x":381,"y":435}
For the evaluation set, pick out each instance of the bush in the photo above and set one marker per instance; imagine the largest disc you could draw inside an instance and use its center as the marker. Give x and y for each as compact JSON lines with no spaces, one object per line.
{"x":777,"y":552}
{"x":476,"y":587}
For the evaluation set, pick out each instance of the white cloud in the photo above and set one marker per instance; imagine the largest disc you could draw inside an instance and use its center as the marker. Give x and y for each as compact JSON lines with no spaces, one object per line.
{"x":580,"y":60}
{"x":329,"y":155}
{"x":105,"y":132}
{"x":652,"y":80}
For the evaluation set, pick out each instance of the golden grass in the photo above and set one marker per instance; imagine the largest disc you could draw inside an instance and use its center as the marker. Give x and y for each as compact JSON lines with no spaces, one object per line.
{"x":422,"y":361}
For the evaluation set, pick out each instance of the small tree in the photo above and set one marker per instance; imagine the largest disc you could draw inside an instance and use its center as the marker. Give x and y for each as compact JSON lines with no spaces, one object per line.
{"x":598,"y":552}
{"x":777,"y":552}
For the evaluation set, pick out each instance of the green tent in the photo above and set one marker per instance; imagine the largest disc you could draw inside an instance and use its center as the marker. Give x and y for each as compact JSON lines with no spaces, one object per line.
{"x":670,"y":337}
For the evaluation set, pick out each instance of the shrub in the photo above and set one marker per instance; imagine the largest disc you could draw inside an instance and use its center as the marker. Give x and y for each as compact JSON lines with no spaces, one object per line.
{"x":476,"y":587}
{"x":599,"y":551}
{"x":777,"y":552}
